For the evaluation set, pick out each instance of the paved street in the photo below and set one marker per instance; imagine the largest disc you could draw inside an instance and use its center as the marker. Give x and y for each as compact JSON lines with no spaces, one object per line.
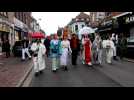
{"x":80,"y":76}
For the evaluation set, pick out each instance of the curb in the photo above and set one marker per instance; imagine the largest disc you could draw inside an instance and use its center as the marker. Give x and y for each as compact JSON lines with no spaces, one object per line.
{"x":129,"y":60}
{"x":20,"y":83}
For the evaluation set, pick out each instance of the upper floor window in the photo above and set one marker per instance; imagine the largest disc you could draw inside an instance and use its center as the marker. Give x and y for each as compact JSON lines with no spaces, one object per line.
{"x":5,"y":14}
{"x":76,"y":27}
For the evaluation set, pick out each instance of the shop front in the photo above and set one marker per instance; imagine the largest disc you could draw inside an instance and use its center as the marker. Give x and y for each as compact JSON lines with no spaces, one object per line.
{"x":4,"y":33}
{"x":106,"y":29}
{"x":126,"y":26}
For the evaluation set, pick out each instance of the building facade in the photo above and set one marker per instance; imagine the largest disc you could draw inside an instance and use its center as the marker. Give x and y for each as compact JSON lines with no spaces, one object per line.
{"x":6,"y":27}
{"x":96,"y":17}
{"x":79,"y":22}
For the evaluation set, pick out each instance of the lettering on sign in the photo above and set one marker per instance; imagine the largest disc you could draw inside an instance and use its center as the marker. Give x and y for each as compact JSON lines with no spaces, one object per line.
{"x":107,"y":22}
{"x":130,"y":19}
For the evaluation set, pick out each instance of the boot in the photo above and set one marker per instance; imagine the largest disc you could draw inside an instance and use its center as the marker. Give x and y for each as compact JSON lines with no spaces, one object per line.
{"x":41,"y":72}
{"x":65,"y":68}
{"x":36,"y":74}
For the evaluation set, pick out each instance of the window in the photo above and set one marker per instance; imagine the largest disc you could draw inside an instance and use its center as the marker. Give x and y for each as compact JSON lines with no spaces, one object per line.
{"x":76,"y":27}
{"x":16,"y":14}
{"x":108,"y":14}
{"x":19,"y":15}
{"x":24,"y":18}
{"x":82,"y":26}
{"x":5,"y":14}
{"x":82,"y":19}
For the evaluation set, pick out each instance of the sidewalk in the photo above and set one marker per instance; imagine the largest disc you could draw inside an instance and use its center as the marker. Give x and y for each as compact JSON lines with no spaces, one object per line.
{"x":13,"y":72}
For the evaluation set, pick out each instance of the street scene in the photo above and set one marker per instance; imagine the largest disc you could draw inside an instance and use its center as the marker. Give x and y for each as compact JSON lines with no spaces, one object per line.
{"x":66,"y":49}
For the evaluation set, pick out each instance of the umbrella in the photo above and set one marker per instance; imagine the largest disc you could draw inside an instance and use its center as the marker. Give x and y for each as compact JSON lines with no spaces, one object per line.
{"x":38,"y":35}
{"x":86,"y":30}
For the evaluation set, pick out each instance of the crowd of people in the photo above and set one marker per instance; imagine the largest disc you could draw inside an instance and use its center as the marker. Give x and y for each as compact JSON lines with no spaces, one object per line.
{"x":59,"y":49}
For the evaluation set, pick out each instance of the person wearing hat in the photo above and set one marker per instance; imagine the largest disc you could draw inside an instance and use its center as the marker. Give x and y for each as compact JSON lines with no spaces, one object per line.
{"x":39,"y":51}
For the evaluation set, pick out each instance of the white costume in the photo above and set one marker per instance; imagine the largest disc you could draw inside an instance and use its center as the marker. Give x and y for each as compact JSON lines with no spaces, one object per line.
{"x":113,"y":38}
{"x":109,"y":47}
{"x":65,"y":48}
{"x":39,"y":60}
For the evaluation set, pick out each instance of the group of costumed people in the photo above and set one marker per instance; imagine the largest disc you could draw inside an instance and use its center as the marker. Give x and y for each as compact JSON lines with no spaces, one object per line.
{"x":60,"y":49}
{"x":92,"y":52}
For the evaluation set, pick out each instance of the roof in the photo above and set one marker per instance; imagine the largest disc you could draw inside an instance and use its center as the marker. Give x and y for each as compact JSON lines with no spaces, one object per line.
{"x":82,"y":15}
{"x":79,"y":18}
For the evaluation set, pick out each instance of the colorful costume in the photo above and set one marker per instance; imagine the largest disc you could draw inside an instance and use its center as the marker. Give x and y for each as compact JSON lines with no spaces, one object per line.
{"x":86,"y":50}
{"x":38,"y":57}
{"x":55,"y":52}
{"x":65,"y":45}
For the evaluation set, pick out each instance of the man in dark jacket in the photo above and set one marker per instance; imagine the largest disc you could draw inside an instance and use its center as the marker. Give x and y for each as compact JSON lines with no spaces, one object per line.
{"x":6,"y":47}
{"x":25,"y":45}
{"x":47,"y":45}
{"x":75,"y":46}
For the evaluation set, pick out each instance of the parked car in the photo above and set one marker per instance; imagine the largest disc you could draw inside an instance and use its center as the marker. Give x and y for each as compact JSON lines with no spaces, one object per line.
{"x":130,"y":47}
{"x":17,"y":49}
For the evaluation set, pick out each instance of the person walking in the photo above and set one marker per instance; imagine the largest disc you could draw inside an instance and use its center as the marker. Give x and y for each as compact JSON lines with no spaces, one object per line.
{"x":97,"y":50}
{"x":25,"y":45}
{"x":55,"y":52}
{"x":122,"y":46}
{"x":7,"y":48}
{"x":47,"y":45}
{"x":86,"y":42}
{"x":114,"y":39}
{"x":39,"y":51}
{"x":65,"y":48}
{"x":109,"y":45}
{"x":75,"y":46}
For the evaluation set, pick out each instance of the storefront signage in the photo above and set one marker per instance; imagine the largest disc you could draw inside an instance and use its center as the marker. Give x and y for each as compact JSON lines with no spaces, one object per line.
{"x":107,"y":22}
{"x":18,"y":23}
{"x":130,"y":19}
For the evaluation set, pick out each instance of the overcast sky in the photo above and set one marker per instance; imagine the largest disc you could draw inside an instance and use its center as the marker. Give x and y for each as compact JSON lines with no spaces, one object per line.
{"x":51,"y":20}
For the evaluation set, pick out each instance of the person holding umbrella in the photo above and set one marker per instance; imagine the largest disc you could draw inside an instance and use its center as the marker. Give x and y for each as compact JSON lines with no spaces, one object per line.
{"x":39,"y":51}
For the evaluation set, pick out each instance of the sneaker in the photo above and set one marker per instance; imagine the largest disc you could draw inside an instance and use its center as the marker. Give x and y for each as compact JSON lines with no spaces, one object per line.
{"x":54,"y":71}
{"x":90,"y":64}
{"x":83,"y":62}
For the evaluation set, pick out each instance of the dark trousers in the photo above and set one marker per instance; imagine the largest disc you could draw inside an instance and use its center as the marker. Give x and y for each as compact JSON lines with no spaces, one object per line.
{"x":74,"y":56}
{"x":8,"y":54}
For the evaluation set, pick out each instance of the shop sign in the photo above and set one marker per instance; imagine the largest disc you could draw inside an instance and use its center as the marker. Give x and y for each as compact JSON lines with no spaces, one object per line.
{"x":130,"y":19}
{"x":107,"y":22}
{"x":18,"y":23}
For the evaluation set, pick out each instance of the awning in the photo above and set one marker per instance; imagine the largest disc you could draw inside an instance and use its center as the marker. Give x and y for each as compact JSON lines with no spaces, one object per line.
{"x":37,"y":35}
{"x":107,"y":29}
{"x":122,"y":14}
